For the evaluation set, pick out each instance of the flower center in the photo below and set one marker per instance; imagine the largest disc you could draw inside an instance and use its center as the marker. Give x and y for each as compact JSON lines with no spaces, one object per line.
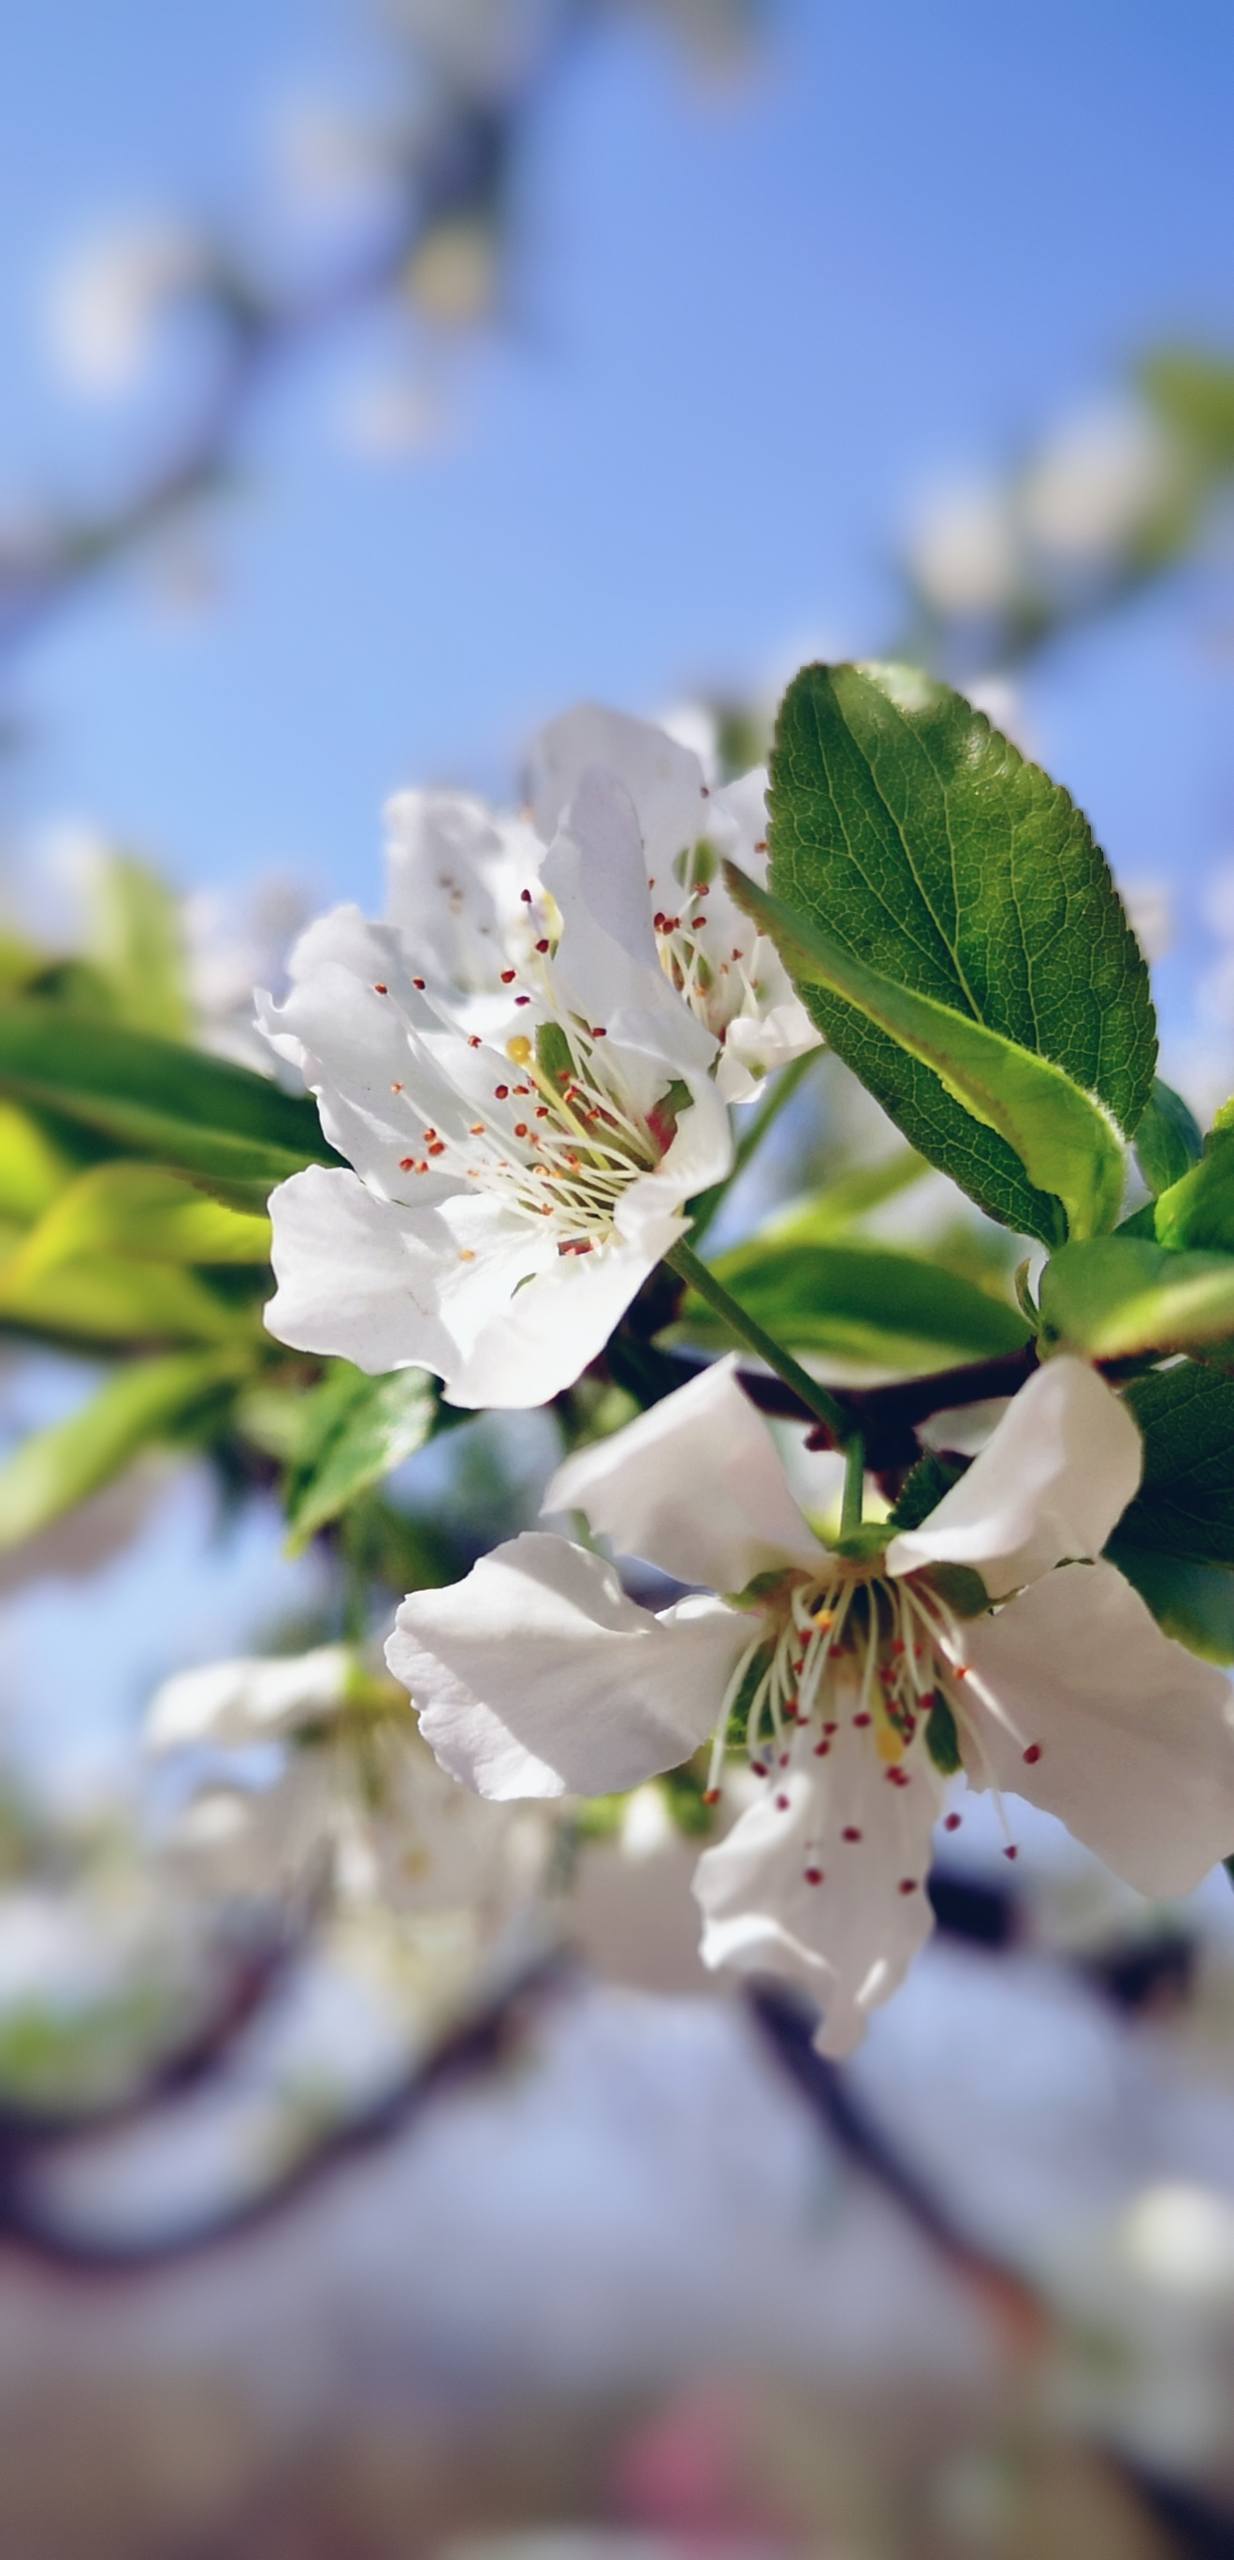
{"x":553,"y":1135}
{"x":854,"y":1655}
{"x":716,"y":982}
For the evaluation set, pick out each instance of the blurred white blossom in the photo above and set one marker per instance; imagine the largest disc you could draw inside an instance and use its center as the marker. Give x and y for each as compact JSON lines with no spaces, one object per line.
{"x":110,"y":298}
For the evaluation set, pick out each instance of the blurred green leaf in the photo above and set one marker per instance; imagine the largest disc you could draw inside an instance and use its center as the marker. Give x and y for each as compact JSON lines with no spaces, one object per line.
{"x":105,"y":1298}
{"x":153,"y":1403}
{"x":1121,"y":1295}
{"x":928,"y":849}
{"x":1063,"y":1140}
{"x":33,"y":1169}
{"x":201,"y":1114}
{"x":138,"y":943}
{"x":1185,"y":1505}
{"x":867,"y":1303}
{"x":1192,"y":393}
{"x":351,"y":1431}
{"x":144,"y":1213}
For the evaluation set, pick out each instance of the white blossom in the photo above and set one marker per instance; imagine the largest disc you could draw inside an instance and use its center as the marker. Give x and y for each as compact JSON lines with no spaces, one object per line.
{"x":1096,"y":484}
{"x":524,"y":1138}
{"x":111,"y":297}
{"x":964,"y":552}
{"x":852,"y":1669}
{"x":357,"y":1801}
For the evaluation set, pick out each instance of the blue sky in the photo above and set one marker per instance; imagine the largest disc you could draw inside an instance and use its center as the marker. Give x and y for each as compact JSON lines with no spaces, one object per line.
{"x":750,"y":330}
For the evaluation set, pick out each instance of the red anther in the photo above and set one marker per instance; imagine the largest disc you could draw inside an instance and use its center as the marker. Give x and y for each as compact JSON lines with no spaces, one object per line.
{"x":711,"y":1795}
{"x":660,"y":920}
{"x":380,"y":991}
{"x":476,"y":1128}
{"x":473,"y":1040}
{"x":761,"y":846}
{"x":599,"y":1031}
{"x":522,"y":999}
{"x":782,"y":1804}
{"x":831,"y":1728}
{"x":502,"y":1092}
{"x":952,"y":1821}
{"x":790,"y":1710}
{"x":1033,"y":1754}
{"x":850,"y":1832}
{"x":508,"y":977}
{"x":697,"y":923}
{"x":419,"y":984}
{"x":959,"y":1671}
{"x":758,"y":1768}
{"x":821,"y":1750}
{"x":543,"y":944}
{"x":1011,"y":1852}
{"x":405,"y":1163}
{"x":814,"y":1875}
{"x":863,"y":1719}
{"x":520,"y":1128}
{"x":438,"y":1147}
{"x":784,"y":1759}
{"x":522,"y":1088}
{"x":525,"y":895}
{"x":908,"y":1884}
{"x":541,"y":1110}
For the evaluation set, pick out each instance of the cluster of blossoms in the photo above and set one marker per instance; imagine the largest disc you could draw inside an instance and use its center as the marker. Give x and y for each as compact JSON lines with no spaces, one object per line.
{"x":527,"y":1064}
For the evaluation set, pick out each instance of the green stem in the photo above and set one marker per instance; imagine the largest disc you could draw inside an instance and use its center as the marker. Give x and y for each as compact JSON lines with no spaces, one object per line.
{"x":781,"y":1090}
{"x":685,"y":1262}
{"x":854,"y":1484}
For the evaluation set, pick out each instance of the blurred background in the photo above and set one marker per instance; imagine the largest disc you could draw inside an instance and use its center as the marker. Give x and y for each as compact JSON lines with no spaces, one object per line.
{"x":380,"y":380}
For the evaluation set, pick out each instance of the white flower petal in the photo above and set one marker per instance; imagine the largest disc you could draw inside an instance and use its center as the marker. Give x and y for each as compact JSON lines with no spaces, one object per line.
{"x":387,"y":1287}
{"x":536,"y":1676}
{"x":664,"y":780}
{"x":1132,"y":1737}
{"x":695,"y":1486}
{"x":456,"y":872}
{"x":1050,"y":1485}
{"x":539,"y":1338}
{"x":606,"y":965}
{"x":823,"y":1880}
{"x":254,"y":1699}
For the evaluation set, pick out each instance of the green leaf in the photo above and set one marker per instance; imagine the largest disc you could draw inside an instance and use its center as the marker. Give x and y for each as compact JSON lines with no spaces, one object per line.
{"x":1121,"y":1295}
{"x":353,"y":1430}
{"x":1194,"y":1603}
{"x":138,"y":944}
{"x":104,"y":1298}
{"x":1168,"y":1140}
{"x":32,"y":1167}
{"x":929,"y":849}
{"x":1193,"y":394}
{"x":868,"y":1303}
{"x":923,"y":1490}
{"x":1198,"y":1208}
{"x":154,"y":1402}
{"x":1185,"y":1505}
{"x":144,"y":1213}
{"x":201,"y":1114}
{"x":1063,"y":1139}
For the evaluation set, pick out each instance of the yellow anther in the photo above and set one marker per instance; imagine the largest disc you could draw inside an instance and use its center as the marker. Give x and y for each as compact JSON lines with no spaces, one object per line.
{"x":824,"y":1618}
{"x":518,"y":1050}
